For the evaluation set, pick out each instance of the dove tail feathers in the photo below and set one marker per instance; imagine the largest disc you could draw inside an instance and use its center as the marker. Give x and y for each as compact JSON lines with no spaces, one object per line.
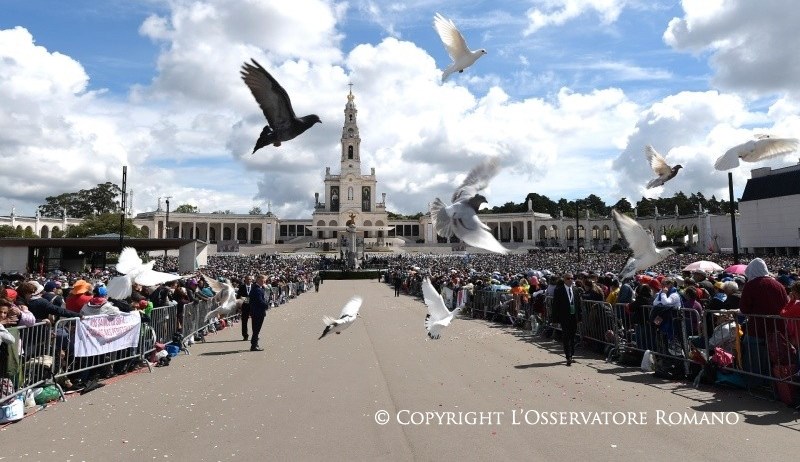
{"x":328,"y":320}
{"x":440,"y":219}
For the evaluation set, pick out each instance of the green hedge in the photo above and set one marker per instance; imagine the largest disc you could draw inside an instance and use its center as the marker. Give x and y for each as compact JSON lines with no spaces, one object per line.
{"x":363,"y":274}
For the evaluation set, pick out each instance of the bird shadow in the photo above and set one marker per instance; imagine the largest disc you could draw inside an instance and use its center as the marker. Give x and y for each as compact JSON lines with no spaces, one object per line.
{"x":221,"y":353}
{"x":537,"y":365}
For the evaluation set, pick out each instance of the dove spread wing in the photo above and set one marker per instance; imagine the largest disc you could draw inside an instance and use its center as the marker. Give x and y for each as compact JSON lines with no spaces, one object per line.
{"x":434,"y":302}
{"x":128,"y":261}
{"x":477,"y":179}
{"x":453,"y":41}
{"x":269,"y":94}
{"x":657,"y":162}
{"x":639,"y":240}
{"x":351,"y":307}
{"x":771,"y":147}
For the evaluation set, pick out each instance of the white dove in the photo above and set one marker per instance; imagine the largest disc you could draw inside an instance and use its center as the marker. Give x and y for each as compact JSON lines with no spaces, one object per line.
{"x":641,"y":242}
{"x":660,"y":167}
{"x":755,"y":150}
{"x":346,"y":319}
{"x":455,"y":45}
{"x":438,"y":316}
{"x":461,"y":217}
{"x":133,"y":270}
{"x":224,"y":299}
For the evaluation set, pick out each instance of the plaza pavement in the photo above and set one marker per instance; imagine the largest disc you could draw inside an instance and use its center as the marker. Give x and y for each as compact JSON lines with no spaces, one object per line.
{"x":309,"y":399}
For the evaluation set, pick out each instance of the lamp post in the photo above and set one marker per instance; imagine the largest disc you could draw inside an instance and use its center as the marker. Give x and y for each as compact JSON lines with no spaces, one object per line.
{"x":122,"y":209}
{"x":166,"y":231}
{"x":733,"y":220}
{"x":577,"y":233}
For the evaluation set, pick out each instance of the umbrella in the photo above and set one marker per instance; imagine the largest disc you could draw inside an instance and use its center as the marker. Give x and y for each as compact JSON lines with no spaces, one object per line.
{"x":703,"y":265}
{"x":736,"y":269}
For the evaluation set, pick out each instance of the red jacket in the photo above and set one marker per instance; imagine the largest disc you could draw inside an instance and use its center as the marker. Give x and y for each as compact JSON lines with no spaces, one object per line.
{"x":75,"y":302}
{"x":763,"y":295}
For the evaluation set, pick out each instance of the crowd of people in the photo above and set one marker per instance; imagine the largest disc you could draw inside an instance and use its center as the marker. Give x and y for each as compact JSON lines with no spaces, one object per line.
{"x":36,"y":298}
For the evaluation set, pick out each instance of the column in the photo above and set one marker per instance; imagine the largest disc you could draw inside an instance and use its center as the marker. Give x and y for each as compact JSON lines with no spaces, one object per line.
{"x":180,"y":230}
{"x":263,"y":232}
{"x":248,"y":232}
{"x":511,"y":230}
{"x":208,"y":231}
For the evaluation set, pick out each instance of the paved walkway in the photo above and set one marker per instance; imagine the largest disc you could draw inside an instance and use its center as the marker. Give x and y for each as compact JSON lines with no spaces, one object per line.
{"x":305,"y":399}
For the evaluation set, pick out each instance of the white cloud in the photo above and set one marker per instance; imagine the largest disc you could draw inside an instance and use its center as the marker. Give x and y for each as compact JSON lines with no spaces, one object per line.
{"x":558,"y":12}
{"x":752,"y":44}
{"x":54,"y":137}
{"x":693,"y":129}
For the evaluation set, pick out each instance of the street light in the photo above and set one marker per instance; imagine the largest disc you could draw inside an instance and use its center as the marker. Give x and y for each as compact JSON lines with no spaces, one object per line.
{"x":733,"y":221}
{"x":577,"y":233}
{"x":166,"y":231}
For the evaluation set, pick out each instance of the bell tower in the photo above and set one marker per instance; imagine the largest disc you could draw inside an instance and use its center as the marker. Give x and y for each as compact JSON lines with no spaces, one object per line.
{"x":351,"y":141}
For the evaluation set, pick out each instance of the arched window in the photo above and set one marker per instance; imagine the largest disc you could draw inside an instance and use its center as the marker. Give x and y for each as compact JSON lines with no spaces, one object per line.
{"x":349,"y":152}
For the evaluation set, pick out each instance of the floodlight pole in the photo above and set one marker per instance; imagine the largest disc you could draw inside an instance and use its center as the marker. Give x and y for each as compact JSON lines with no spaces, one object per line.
{"x":733,"y":220}
{"x":122,"y":210}
{"x":577,"y":233}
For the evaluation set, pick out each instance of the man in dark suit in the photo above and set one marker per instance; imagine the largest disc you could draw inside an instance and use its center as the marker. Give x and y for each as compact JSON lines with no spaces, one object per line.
{"x":258,"y":310}
{"x":567,"y":302}
{"x":243,"y":292}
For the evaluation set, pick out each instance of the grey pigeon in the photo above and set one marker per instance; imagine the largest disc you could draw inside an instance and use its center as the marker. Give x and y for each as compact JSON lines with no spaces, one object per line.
{"x":282,"y":124}
{"x":455,"y":45}
{"x":660,"y":167}
{"x":461,"y":217}
{"x":641,"y":242}
{"x":755,"y":150}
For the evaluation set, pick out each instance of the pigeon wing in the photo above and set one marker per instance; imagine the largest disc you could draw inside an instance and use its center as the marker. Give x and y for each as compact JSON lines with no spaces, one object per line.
{"x":269,"y":94}
{"x":453,"y":41}
{"x":351,"y":307}
{"x":470,"y":229}
{"x":639,"y":240}
{"x":215,"y":285}
{"x":120,"y":287}
{"x":128,"y":261}
{"x":772,"y":147}
{"x":477,"y":179}
{"x":434,"y":302}
{"x":657,"y":162}
{"x":729,"y":160}
{"x":149,"y":278}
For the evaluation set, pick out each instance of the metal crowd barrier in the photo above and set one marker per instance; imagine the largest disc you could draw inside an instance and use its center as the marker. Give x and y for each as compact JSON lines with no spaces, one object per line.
{"x":63,"y":342}
{"x":30,"y":354}
{"x":765,"y":352}
{"x":165,"y":322}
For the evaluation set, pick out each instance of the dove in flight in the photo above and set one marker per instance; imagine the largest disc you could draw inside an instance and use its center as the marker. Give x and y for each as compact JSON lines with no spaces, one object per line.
{"x":346,"y":318}
{"x":641,"y":242}
{"x":438,"y":316}
{"x":755,"y":150}
{"x":660,"y":167}
{"x":282,"y":123}
{"x":455,"y":45}
{"x":461,"y":217}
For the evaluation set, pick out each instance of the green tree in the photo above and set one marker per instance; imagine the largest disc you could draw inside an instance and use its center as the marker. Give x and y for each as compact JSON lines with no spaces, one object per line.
{"x":105,"y":223}
{"x":10,"y":231}
{"x":255,"y":211}
{"x":623,"y":206}
{"x":675,"y":235}
{"x":81,"y":204}
{"x":187,"y":208}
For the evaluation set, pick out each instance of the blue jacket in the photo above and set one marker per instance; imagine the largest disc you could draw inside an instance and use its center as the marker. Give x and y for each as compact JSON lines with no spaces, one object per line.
{"x":258,"y":301}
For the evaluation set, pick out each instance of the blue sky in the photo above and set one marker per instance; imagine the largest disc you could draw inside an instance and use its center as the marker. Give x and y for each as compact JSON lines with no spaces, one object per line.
{"x":567,"y":96}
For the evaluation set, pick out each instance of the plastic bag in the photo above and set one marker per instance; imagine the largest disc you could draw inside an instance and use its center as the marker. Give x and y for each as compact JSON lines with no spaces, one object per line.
{"x":647,"y":362}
